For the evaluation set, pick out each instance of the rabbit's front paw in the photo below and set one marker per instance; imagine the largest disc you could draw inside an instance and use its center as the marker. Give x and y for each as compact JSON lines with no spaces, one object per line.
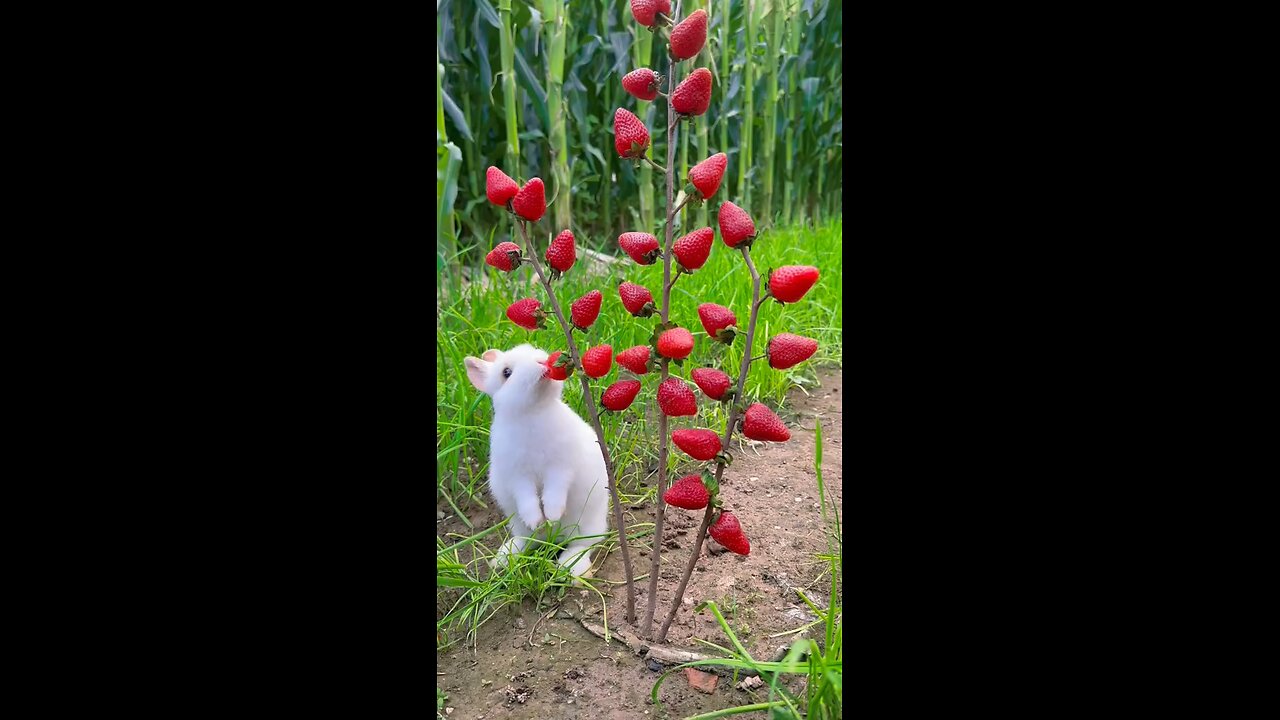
{"x":532,"y":518}
{"x":554,"y":509}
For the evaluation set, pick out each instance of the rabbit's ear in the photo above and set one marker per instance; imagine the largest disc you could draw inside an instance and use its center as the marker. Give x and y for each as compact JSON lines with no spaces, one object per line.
{"x":491,"y":355}
{"x":477,"y":371}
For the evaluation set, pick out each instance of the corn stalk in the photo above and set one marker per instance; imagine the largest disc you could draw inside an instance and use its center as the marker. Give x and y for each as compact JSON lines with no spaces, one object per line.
{"x":726,"y":19}
{"x":554,"y":28}
{"x":509,"y":84}
{"x":793,"y":103}
{"x":773,"y":59}
{"x":748,"y":103}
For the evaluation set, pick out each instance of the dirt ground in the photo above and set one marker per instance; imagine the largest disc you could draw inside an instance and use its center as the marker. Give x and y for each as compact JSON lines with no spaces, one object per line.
{"x":528,"y":665}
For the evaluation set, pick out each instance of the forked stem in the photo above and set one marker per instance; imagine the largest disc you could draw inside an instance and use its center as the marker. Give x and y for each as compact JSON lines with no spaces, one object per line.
{"x":589,"y":401}
{"x":756,"y":302}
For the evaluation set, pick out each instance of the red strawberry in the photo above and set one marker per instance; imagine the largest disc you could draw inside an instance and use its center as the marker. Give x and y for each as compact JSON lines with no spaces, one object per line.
{"x":676,"y":399}
{"x":498,"y":186}
{"x":706,"y":175}
{"x":636,"y":299}
{"x":692,"y":250}
{"x":584,"y":311}
{"x":760,"y":423}
{"x":556,"y":372}
{"x":697,"y":444}
{"x":531,"y":202}
{"x":644,"y":11}
{"x":736,"y":226}
{"x":642,"y":83}
{"x":505,"y":257}
{"x":786,"y":350}
{"x":717,"y":321}
{"x":675,"y":343}
{"x":597,"y":361}
{"x":620,"y":395}
{"x":664,"y":7}
{"x":689,"y":36}
{"x":642,"y":247}
{"x":712,"y":382}
{"x":630,"y":136}
{"x":693,"y":95}
{"x":728,"y":533}
{"x":789,"y":283}
{"x":526,"y":313}
{"x":688,"y":493}
{"x":561,"y":254}
{"x":635,"y":359}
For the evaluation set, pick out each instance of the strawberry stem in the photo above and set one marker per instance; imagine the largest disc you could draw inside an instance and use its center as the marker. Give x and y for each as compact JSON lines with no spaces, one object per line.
{"x":667,"y":282}
{"x":655,"y":165}
{"x":678,"y":207}
{"x":757,"y":301}
{"x":589,"y":401}
{"x":667,"y":288}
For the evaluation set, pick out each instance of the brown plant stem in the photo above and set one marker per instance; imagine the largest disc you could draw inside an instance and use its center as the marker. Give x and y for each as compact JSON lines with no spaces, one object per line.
{"x":756,"y":302}
{"x":664,"y":441}
{"x":672,"y":284}
{"x":531,"y":255}
{"x":683,"y":202}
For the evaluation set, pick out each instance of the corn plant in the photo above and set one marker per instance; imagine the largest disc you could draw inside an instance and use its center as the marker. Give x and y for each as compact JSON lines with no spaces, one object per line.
{"x":527,"y":85}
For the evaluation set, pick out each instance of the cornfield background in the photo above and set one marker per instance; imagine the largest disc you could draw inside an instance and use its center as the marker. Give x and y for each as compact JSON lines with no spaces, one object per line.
{"x":531,"y":87}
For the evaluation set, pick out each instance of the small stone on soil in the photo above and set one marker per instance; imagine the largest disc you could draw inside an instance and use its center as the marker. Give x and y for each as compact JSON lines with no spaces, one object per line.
{"x":750,"y":683}
{"x":520,"y":623}
{"x":654,"y":665}
{"x":439,"y":515}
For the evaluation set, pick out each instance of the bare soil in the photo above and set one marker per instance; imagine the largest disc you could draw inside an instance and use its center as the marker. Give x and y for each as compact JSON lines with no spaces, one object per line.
{"x":531,"y":665}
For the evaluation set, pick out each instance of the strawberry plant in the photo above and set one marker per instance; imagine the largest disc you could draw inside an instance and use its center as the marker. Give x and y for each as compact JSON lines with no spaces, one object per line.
{"x":688,"y":96}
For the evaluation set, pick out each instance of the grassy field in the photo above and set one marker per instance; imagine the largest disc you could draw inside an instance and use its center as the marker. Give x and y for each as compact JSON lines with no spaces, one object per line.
{"x":472,"y":318}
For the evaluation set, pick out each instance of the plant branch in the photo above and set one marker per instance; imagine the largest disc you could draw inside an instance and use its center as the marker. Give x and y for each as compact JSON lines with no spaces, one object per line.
{"x":587,"y":399}
{"x":683,"y":202}
{"x":728,"y":435}
{"x":655,"y":165}
{"x":664,"y":441}
{"x":668,"y":286}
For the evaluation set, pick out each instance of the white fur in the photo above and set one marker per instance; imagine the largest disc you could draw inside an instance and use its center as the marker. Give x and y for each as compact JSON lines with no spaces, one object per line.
{"x":544,"y":461}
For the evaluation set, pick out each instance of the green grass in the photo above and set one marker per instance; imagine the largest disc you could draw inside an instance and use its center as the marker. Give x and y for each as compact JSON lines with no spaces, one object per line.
{"x":474,"y":595}
{"x":472,"y":319}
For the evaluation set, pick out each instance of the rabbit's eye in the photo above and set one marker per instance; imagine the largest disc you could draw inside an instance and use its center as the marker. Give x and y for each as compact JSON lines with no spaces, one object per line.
{"x":506,"y":372}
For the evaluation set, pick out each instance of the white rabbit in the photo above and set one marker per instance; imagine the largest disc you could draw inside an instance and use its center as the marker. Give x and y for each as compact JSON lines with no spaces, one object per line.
{"x":544,"y":460}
